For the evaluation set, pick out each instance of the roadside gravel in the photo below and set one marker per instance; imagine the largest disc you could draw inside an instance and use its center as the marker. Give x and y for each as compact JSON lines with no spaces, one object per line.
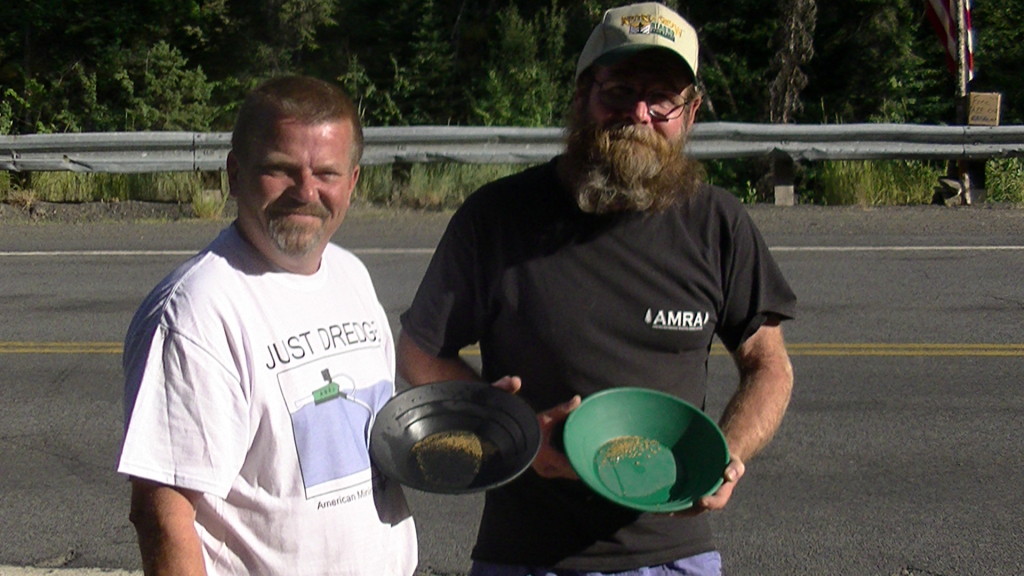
{"x":781,"y":225}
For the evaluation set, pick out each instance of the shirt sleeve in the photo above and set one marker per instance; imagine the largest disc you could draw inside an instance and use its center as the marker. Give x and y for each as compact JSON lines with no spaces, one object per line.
{"x":188,"y":423}
{"x":753,"y":284}
{"x":447,"y":312}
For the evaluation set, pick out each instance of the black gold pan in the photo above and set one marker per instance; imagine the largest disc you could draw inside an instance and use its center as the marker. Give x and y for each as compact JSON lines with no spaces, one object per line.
{"x":454,"y":437}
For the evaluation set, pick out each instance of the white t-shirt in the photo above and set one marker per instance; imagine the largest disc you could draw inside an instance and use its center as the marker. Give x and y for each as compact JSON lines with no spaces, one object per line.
{"x":258,"y":389}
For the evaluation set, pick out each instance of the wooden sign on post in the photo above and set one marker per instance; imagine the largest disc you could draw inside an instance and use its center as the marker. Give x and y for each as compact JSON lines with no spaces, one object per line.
{"x":983,"y":108}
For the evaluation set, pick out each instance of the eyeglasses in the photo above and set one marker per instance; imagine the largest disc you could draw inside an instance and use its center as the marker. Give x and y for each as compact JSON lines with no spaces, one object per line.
{"x":661,"y":104}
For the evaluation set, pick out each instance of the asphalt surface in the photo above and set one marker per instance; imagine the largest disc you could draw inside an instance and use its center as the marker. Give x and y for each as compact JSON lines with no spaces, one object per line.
{"x":900,"y":454}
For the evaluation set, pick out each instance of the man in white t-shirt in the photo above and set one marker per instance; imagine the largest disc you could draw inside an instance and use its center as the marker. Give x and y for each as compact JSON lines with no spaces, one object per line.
{"x":254,"y":370}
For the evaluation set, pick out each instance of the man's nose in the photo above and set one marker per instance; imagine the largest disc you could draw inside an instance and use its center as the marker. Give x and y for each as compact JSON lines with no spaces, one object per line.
{"x":305,"y":186}
{"x":640,"y":111}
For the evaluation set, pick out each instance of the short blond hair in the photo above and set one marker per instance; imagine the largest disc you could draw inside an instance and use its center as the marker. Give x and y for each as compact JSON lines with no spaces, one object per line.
{"x":300,"y":98}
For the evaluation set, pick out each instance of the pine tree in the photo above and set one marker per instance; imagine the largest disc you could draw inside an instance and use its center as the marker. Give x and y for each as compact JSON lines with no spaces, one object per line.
{"x":794,"y":47}
{"x":526,"y":83}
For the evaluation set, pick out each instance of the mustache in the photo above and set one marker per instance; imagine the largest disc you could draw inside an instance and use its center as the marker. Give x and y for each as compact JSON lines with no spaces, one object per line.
{"x":289,"y":209}
{"x":630,"y":134}
{"x":626,"y":131}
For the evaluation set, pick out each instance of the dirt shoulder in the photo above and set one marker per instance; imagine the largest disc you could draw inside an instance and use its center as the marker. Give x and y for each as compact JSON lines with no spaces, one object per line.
{"x":781,"y":225}
{"x":79,"y":213}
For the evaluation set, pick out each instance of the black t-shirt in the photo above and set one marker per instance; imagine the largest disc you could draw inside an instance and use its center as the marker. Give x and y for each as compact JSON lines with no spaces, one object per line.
{"x":575,"y":303}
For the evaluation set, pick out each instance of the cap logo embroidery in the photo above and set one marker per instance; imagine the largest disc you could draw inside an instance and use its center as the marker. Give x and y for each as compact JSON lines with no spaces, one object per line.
{"x":651,"y":24}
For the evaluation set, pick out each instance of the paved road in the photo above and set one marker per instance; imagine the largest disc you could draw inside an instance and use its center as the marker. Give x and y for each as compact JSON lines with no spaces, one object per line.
{"x":901,"y":453}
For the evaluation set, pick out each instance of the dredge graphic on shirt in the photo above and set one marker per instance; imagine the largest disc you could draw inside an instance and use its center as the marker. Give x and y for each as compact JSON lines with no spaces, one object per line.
{"x":331,"y":421}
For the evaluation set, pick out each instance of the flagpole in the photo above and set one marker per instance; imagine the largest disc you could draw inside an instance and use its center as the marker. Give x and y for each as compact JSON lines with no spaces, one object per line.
{"x":963,"y":74}
{"x":962,"y":90}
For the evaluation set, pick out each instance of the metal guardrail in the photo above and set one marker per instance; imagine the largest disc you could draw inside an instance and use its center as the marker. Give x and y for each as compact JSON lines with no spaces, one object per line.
{"x":189,"y":151}
{"x":857,"y":141}
{"x":125,"y":152}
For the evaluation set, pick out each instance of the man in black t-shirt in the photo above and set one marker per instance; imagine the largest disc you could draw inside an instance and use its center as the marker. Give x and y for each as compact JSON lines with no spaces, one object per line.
{"x":612,"y":265}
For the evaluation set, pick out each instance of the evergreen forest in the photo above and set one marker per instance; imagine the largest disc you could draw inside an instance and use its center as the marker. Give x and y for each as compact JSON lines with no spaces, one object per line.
{"x":134,"y":65}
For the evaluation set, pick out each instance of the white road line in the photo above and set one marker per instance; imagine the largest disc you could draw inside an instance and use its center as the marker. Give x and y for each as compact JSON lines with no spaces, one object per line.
{"x":427,"y":251}
{"x":100,"y":253}
{"x":130,"y":253}
{"x":892,"y":248}
{"x":29,"y":571}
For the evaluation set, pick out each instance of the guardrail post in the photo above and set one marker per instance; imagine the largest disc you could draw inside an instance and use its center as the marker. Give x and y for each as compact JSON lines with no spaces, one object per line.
{"x":975,"y":170}
{"x":783,"y":176}
{"x":401,"y":174}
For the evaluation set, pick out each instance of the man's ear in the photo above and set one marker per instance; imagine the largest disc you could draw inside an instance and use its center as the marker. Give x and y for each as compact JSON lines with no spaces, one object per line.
{"x":692,"y":108}
{"x":578,"y":98}
{"x":581,"y":91}
{"x":355,"y":180}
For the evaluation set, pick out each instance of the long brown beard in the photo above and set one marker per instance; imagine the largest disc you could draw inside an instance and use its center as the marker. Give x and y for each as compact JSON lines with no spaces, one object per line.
{"x":627,"y":168}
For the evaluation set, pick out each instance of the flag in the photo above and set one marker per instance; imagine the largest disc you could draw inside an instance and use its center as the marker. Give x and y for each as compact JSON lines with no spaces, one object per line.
{"x":942,"y":15}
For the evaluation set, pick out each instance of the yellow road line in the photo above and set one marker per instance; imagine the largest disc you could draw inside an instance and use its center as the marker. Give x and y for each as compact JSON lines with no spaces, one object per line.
{"x":60,"y":347}
{"x":795,"y":349}
{"x":874,"y":349}
{"x":905,"y":349}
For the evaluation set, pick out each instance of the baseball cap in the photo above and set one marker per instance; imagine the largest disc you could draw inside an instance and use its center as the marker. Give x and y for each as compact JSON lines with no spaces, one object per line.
{"x":637,"y":27}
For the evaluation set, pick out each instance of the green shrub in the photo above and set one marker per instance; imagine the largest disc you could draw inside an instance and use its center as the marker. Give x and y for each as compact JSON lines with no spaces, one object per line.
{"x":445,"y":186}
{"x":870,"y":183}
{"x":208,"y":202}
{"x":78,"y":187}
{"x":100,"y":187}
{"x":1004,"y":179}
{"x":427,"y":186}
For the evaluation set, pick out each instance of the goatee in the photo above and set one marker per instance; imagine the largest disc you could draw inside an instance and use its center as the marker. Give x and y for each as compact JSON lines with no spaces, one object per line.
{"x":627,"y":167}
{"x":293,"y":238}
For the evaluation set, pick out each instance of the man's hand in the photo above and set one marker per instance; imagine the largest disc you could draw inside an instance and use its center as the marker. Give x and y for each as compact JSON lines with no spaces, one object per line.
{"x":717,"y":501}
{"x":550,"y":461}
{"x":510,"y":384}
{"x":733,"y":472}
